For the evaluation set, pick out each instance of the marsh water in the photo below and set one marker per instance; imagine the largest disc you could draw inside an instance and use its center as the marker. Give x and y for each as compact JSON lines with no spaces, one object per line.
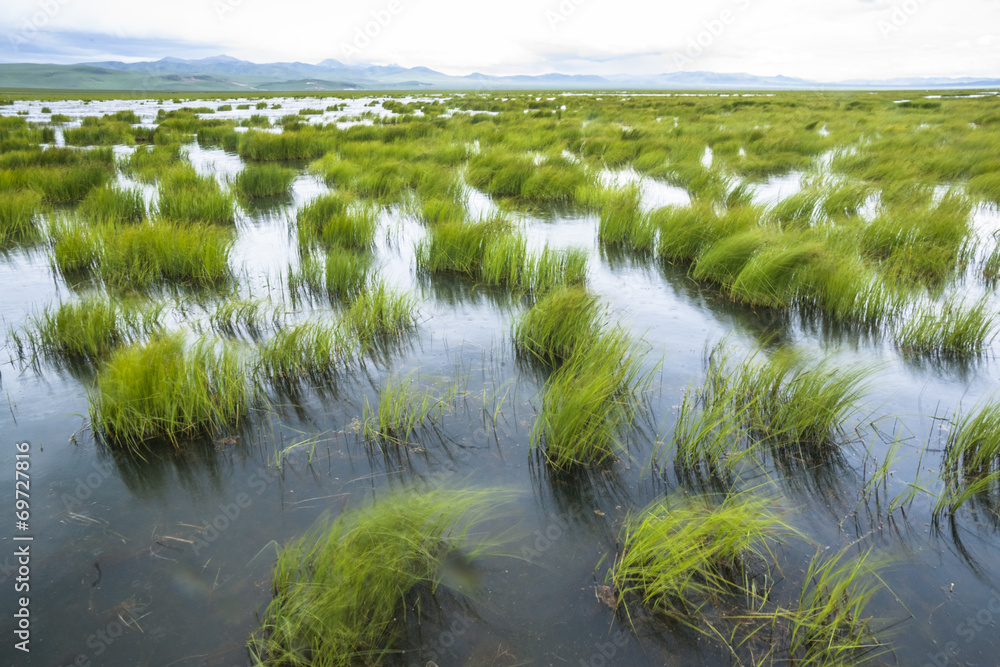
{"x":168,"y":561}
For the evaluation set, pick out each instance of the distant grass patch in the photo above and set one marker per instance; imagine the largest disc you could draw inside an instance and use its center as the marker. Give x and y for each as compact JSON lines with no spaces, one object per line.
{"x":140,"y":256}
{"x":334,"y":221}
{"x":113,"y":204}
{"x":492,"y":252}
{"x":185,"y":196}
{"x":262,"y":181}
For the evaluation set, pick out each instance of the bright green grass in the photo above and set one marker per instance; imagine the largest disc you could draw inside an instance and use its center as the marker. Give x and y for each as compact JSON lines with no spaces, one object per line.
{"x":679,"y":553}
{"x":340,"y":591}
{"x":141,"y":256}
{"x":333,"y":221}
{"x":19,"y":217}
{"x":166,"y":389}
{"x":113,"y":204}
{"x":185,"y":196}
{"x":91,"y":328}
{"x":955,"y":329}
{"x":146,"y":163}
{"x":589,"y":403}
{"x":262,"y":181}
{"x":564,"y":321}
{"x":234,"y":315}
{"x":402,"y":410}
{"x":831,"y":625}
{"x":312,"y":350}
{"x":379,"y":314}
{"x":492,"y":252}
{"x":971,"y":465}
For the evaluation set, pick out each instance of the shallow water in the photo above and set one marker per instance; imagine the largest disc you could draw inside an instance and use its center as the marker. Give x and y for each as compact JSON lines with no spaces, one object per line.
{"x":168,"y":562}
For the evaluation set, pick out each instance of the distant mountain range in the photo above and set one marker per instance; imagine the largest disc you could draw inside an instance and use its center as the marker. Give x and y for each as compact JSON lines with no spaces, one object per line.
{"x":224,"y":73}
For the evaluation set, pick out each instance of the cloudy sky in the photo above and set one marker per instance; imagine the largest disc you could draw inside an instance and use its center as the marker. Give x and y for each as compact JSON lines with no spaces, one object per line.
{"x":826,"y":40}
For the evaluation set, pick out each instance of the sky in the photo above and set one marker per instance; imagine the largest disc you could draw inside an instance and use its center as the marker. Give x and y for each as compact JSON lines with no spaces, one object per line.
{"x":821,"y":40}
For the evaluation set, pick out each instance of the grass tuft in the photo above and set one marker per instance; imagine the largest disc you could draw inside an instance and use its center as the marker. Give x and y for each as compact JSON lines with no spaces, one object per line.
{"x":340,"y":591}
{"x":165,"y":389}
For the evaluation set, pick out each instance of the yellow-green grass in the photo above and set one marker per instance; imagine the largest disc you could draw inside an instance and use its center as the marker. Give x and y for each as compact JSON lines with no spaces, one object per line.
{"x":140,"y":256}
{"x":19,"y":217}
{"x":341,"y":590}
{"x":167,"y":389}
{"x":187,"y":197}
{"x":680,"y":553}
{"x":309,"y":351}
{"x":333,"y":220}
{"x":262,"y":181}
{"x":403,"y":409}
{"x":90,"y":328}
{"x":954,"y":329}
{"x":113,"y":204}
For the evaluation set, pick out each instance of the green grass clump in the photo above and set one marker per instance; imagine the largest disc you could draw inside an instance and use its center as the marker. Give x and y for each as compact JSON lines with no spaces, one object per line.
{"x":139,"y":256}
{"x":971,"y":466}
{"x":492,"y":252}
{"x":19,"y":217}
{"x":263,"y":181}
{"x":347,"y":273}
{"x":63,"y":184}
{"x":558,"y":325}
{"x":723,"y":262}
{"x":303,"y":144}
{"x":797,"y":209}
{"x":954,"y":331}
{"x":589,"y":402}
{"x":846,"y":199}
{"x":439,"y":210}
{"x":402,"y":410}
{"x":333,"y":221}
{"x":379,"y":314}
{"x":91,"y":328}
{"x":113,"y":204}
{"x":146,"y":163}
{"x":986,"y":186}
{"x":684,"y":231}
{"x":774,"y":277}
{"x":340,"y":592}
{"x":678,"y":554}
{"x":234,"y":315}
{"x":185,"y":196}
{"x":622,"y":222}
{"x":830,"y":625}
{"x":165,"y":389}
{"x":779,"y":404}
{"x":314,"y":350}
